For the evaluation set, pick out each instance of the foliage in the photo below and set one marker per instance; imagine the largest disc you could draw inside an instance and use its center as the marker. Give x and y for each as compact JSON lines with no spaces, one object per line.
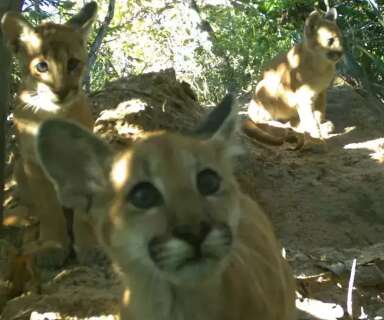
{"x":246,"y":36}
{"x":220,"y":45}
{"x":38,"y":10}
{"x":250,"y":32}
{"x":363,"y":26}
{"x":151,"y":35}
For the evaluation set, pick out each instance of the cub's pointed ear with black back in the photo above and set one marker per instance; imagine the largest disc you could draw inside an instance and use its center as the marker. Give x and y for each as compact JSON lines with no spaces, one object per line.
{"x":84,"y":19}
{"x":76,"y":161}
{"x":220,"y":125}
{"x":17,"y":31}
{"x":312,"y":22}
{"x":215,"y":119}
{"x":331,"y":14}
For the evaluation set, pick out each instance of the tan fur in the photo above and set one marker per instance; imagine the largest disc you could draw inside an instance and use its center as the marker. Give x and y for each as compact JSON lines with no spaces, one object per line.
{"x":56,"y":92}
{"x":252,"y":280}
{"x":293,"y":86}
{"x":234,"y":272}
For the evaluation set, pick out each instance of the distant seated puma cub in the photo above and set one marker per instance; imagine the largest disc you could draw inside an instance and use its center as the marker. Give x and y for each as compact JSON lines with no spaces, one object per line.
{"x":293,"y":86}
{"x":190,"y":245}
{"x":52,"y":59}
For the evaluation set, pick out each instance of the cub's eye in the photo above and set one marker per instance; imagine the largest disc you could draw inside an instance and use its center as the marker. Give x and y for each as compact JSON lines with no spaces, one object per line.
{"x":144,"y":196}
{"x":42,"y":67}
{"x":331,"y":41}
{"x":72,"y":64}
{"x":208,"y":182}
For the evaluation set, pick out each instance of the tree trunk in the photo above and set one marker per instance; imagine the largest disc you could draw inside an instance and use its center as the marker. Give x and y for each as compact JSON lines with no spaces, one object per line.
{"x":97,"y":44}
{"x":5,"y":71}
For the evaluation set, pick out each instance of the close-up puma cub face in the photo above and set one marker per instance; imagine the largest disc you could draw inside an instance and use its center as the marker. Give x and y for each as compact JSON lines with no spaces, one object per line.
{"x":323,"y":35}
{"x":175,"y":211}
{"x":52,"y":56}
{"x":171,"y":216}
{"x":173,"y":207}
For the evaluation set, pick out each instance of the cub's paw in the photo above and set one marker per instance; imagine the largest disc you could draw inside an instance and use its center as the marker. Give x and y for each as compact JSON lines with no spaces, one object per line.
{"x":315,"y":145}
{"x":327,"y":128}
{"x":48,"y":254}
{"x":295,"y":139}
{"x":91,"y":255}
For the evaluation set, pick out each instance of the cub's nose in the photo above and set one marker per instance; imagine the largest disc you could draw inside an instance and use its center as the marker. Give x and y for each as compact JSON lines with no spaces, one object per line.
{"x":61,"y":94}
{"x":193,"y":234}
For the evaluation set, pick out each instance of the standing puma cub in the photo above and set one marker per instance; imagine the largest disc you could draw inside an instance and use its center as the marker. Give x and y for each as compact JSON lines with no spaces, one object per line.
{"x":189,"y":244}
{"x":293,"y":86}
{"x":52,"y":59}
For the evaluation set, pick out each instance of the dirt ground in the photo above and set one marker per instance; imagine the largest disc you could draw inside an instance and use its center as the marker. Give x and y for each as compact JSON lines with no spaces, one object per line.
{"x":327,"y":206}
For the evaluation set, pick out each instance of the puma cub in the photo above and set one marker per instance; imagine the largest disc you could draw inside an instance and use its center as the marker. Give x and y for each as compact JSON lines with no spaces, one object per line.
{"x":52,"y":59}
{"x":293,"y":86}
{"x":169,"y":212}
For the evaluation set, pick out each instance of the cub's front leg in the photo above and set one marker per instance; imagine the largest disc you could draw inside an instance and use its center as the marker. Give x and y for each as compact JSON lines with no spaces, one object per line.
{"x":23,"y":192}
{"x":309,"y":123}
{"x":125,"y":312}
{"x":86,"y":245}
{"x":53,"y":246}
{"x":326,"y":127}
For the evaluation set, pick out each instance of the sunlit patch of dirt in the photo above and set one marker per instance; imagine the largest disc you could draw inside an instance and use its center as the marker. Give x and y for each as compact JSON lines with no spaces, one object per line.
{"x":376,"y":147}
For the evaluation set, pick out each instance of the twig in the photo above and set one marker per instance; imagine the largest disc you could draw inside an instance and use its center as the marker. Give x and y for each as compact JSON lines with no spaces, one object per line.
{"x":350,"y":288}
{"x":326,"y":2}
{"x":97,"y":44}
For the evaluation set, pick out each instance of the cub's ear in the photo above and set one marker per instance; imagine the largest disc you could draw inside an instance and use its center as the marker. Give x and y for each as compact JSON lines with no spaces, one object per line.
{"x":77,"y":162}
{"x":220,"y":125}
{"x":84,"y":19}
{"x":312,"y":21}
{"x":17,"y":31}
{"x":331,"y":14}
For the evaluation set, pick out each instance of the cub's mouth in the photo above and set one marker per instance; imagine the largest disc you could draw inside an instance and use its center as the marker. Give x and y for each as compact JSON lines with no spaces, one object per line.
{"x":190,"y":251}
{"x":334,"y":55}
{"x":63,"y":97}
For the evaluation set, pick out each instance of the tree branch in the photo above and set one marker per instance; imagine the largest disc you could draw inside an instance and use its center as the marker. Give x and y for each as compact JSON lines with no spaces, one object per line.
{"x":5,"y":72}
{"x":97,"y":44}
{"x":205,"y":26}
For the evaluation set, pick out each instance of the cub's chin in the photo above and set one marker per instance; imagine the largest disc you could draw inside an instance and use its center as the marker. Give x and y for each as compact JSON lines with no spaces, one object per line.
{"x":195,"y":272}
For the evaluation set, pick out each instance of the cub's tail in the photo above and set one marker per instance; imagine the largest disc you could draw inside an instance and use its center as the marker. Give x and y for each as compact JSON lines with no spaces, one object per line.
{"x":254,"y":131}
